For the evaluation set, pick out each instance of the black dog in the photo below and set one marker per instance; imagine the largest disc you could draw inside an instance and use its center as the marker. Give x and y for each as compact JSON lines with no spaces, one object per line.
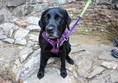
{"x":54,"y":22}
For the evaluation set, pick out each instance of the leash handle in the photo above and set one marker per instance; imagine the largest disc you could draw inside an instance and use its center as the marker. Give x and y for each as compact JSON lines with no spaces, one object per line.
{"x":85,"y":8}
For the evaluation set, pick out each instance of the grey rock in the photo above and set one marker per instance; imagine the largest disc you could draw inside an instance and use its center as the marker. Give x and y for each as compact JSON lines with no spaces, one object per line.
{"x":7,"y":14}
{"x":1,"y":18}
{"x":96,"y":71}
{"x":84,"y":63}
{"x":14,"y":3}
{"x":33,"y":37}
{"x":1,"y":4}
{"x":108,"y":55}
{"x":21,"y":41}
{"x":25,"y":53}
{"x":2,"y":37}
{"x":51,"y":76}
{"x":34,"y":1}
{"x":21,"y":33}
{"x":9,"y":40}
{"x":70,"y":1}
{"x":110,"y":65}
{"x":40,"y":7}
{"x":54,"y":3}
{"x":75,"y":49}
{"x":8,"y":29}
{"x":33,"y":28}
{"x":32,"y":20}
{"x":18,"y":11}
{"x":28,"y":68}
{"x":103,"y":1}
{"x":8,"y":54}
{"x":107,"y":77}
{"x":84,"y":67}
{"x":96,"y":48}
{"x":115,"y":1}
{"x":28,"y":9}
{"x":51,"y":60}
{"x":62,"y":1}
{"x":74,"y":44}
{"x":16,"y":66}
{"x":32,"y":44}
{"x":116,"y":6}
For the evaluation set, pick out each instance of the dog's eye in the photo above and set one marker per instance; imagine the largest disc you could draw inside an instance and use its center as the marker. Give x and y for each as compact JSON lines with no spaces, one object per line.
{"x":46,"y":18}
{"x":57,"y":17}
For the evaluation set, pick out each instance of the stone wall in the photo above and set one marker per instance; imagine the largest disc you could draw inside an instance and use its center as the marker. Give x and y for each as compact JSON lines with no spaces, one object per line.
{"x":100,"y":11}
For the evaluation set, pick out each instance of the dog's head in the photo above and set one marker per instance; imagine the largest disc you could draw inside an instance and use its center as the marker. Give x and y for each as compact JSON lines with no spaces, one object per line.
{"x":54,"y":21}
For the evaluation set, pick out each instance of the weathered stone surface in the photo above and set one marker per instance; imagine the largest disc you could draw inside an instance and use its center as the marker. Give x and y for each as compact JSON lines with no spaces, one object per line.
{"x":1,"y":4}
{"x":110,"y":65}
{"x":108,"y":55}
{"x":7,"y":14}
{"x":21,"y":41}
{"x":14,"y":3}
{"x":32,"y":20}
{"x":18,"y":11}
{"x":8,"y":54}
{"x":32,"y":44}
{"x":17,"y":64}
{"x":20,"y":23}
{"x":84,"y":63}
{"x":71,"y":1}
{"x":25,"y":53}
{"x":1,"y":18}
{"x":108,"y":77}
{"x":74,"y":44}
{"x":49,"y":78}
{"x":9,"y":40}
{"x":62,"y":1}
{"x":75,"y":50}
{"x":96,"y":71}
{"x":54,"y":3}
{"x":28,"y":68}
{"x":2,"y":36}
{"x":103,"y":1}
{"x":21,"y":33}
{"x":40,"y":7}
{"x":33,"y":28}
{"x":96,"y":48}
{"x":33,"y":37}
{"x":8,"y":28}
{"x":28,"y":9}
{"x":5,"y":81}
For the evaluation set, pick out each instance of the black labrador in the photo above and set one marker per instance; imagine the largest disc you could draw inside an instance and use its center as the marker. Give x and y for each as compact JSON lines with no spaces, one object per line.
{"x":54,"y":22}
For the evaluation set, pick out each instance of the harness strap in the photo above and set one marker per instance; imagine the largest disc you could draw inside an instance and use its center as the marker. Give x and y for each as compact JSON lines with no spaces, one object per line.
{"x":56,"y":44}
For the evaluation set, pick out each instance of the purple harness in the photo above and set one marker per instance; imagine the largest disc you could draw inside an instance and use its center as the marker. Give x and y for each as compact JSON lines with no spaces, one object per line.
{"x":59,"y":42}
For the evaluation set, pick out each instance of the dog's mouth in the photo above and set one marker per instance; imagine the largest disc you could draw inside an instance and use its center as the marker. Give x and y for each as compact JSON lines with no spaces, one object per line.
{"x":53,"y":36}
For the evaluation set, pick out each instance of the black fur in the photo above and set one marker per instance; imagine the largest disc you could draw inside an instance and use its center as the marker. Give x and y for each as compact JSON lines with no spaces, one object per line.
{"x":61,"y":22}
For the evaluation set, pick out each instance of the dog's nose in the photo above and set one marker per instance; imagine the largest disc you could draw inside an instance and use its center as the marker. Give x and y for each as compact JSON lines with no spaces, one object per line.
{"x":50,"y":29}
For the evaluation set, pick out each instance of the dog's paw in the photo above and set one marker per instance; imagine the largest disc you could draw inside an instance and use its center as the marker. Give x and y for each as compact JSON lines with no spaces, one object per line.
{"x":40,"y":75}
{"x":63,"y":73}
{"x":70,"y":61}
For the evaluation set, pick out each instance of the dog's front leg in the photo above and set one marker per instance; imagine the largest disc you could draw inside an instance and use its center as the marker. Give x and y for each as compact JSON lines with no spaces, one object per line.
{"x":43,"y":61}
{"x":63,"y":71}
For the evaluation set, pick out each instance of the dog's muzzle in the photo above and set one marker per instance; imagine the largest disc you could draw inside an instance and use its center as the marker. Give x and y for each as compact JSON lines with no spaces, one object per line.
{"x":52,"y":32}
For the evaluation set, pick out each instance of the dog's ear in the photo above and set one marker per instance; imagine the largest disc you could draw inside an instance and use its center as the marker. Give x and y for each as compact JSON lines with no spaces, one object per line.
{"x":68,"y":20}
{"x":41,"y":21}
